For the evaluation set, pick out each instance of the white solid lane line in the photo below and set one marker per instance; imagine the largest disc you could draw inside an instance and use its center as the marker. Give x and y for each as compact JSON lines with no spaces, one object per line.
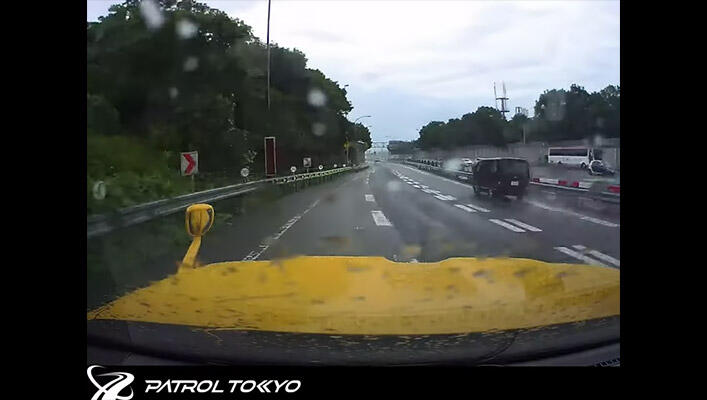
{"x":477,"y":208}
{"x":524,"y":225}
{"x":380,"y":219}
{"x":599,"y":255}
{"x":580,"y":256}
{"x":369,"y":197}
{"x":265,"y":244}
{"x":507,"y":225}
{"x":580,"y":216}
{"x":465,"y":208}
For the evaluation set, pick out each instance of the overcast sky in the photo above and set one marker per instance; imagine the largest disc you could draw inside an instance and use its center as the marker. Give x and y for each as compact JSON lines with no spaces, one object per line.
{"x":409,"y":62}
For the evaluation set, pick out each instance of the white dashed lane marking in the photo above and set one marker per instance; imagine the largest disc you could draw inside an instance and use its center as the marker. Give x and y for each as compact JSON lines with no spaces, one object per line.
{"x":369,"y":197}
{"x":523,"y":225}
{"x":579,"y":256}
{"x":465,"y":208}
{"x":477,"y":208}
{"x":380,"y":219}
{"x":599,"y":255}
{"x":506,"y":225}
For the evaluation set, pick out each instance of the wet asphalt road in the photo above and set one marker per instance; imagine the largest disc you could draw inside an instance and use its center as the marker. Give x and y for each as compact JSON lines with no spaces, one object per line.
{"x":404,"y":214}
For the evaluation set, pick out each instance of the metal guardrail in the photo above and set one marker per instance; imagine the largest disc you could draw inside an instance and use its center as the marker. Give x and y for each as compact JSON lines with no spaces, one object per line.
{"x":104,"y":223}
{"x":610,"y":196}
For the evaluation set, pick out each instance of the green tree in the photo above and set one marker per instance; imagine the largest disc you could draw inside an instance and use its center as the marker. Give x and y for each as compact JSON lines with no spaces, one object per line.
{"x":197,"y":81}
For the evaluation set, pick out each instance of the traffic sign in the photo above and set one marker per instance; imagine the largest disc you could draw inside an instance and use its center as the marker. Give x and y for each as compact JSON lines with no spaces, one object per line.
{"x":293,"y":169}
{"x":321,"y":167}
{"x":244,"y":172}
{"x":270,"y":156}
{"x":189,"y":163}
{"x":307,"y":162}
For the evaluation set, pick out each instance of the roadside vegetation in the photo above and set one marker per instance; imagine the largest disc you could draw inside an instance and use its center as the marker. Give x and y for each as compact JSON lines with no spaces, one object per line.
{"x":169,"y":76}
{"x":559,"y":115}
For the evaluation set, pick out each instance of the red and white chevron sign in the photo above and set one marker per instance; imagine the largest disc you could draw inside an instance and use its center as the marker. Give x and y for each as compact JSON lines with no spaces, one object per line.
{"x":189,"y":163}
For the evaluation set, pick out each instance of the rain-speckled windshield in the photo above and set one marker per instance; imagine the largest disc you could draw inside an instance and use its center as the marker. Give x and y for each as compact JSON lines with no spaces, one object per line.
{"x":352,"y":182}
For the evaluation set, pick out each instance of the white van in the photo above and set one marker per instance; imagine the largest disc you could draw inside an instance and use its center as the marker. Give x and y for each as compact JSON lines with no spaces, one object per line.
{"x":572,"y":156}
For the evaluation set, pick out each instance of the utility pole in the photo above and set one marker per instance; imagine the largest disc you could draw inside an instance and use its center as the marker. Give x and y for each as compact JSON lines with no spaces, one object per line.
{"x":268,"y":44}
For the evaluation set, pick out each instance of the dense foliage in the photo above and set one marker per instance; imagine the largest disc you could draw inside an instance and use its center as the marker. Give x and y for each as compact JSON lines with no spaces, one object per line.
{"x":170,"y":76}
{"x":559,"y":115}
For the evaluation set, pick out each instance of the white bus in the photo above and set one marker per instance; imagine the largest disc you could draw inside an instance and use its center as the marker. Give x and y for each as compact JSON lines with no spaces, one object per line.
{"x":573,"y":156}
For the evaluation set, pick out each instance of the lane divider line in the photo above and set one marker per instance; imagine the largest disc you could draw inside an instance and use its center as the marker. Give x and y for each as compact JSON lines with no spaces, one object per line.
{"x":430,"y":191}
{"x":580,"y":256}
{"x":506,"y":225}
{"x":477,"y":208}
{"x":265,"y":244}
{"x":599,"y":221}
{"x":599,"y":255}
{"x":380,"y":219}
{"x":580,"y":216}
{"x":524,"y":225}
{"x":369,"y":197}
{"x":465,"y":208}
{"x":445,"y":197}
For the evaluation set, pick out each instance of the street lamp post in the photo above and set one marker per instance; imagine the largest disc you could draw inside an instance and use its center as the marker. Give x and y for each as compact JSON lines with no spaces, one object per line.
{"x":365,"y":116}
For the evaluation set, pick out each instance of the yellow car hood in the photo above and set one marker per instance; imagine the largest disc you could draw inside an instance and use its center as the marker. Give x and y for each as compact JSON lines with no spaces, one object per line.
{"x":373,"y":296}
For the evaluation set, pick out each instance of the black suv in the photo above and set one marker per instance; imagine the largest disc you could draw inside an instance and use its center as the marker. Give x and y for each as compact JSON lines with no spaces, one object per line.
{"x":501,"y":176}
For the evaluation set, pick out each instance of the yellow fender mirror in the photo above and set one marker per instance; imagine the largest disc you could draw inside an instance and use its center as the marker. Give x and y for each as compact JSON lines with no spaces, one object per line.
{"x":198,"y":221}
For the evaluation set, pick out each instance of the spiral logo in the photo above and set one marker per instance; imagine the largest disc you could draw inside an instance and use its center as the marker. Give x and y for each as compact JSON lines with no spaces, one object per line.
{"x":112,"y":389}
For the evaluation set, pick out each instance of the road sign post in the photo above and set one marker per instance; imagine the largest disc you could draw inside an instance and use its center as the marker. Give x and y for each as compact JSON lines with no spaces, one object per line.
{"x":189,"y":166}
{"x":189,"y":163}
{"x":270,"y":157}
{"x":293,"y":169}
{"x":306,"y":163}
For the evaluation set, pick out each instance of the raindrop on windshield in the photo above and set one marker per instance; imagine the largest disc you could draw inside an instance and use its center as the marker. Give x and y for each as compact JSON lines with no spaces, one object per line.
{"x":186,"y":29}
{"x":454,"y":164}
{"x":318,"y":128}
{"x":394,"y":186}
{"x":191,"y":64}
{"x":151,"y":13}
{"x":316,"y":98}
